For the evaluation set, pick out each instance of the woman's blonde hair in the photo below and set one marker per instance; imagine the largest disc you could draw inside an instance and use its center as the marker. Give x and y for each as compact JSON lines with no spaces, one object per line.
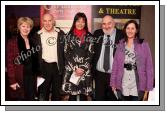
{"x":27,"y":20}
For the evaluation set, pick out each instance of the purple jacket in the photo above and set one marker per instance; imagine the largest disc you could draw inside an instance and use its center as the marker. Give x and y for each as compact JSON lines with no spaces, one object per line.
{"x":143,"y":62}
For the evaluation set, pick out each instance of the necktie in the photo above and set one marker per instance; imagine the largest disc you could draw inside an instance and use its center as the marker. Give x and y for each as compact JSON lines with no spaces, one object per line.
{"x":106,"y":63}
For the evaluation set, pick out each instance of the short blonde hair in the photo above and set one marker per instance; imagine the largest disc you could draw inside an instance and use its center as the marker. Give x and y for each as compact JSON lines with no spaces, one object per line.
{"x":27,"y":20}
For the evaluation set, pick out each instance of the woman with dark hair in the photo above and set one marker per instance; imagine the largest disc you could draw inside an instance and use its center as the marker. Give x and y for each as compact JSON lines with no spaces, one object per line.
{"x":132,"y":72}
{"x":78,"y":55}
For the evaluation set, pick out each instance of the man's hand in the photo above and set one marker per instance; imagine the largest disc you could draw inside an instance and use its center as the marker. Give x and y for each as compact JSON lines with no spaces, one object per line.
{"x":113,"y":88}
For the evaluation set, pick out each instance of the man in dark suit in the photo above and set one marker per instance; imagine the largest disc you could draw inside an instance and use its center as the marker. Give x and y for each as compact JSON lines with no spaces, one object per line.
{"x":105,"y":46}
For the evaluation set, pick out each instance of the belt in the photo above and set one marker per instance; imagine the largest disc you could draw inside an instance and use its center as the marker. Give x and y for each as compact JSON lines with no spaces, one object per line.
{"x":48,"y":62}
{"x":129,"y":66}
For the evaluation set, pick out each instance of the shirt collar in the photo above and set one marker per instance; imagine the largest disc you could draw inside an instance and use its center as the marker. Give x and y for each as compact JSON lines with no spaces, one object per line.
{"x":44,"y":31}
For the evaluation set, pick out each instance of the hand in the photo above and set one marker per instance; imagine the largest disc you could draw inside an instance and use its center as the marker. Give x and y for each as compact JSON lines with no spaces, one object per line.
{"x":145,"y":97}
{"x":79,"y":71}
{"x":113,"y":88}
{"x":15,"y":86}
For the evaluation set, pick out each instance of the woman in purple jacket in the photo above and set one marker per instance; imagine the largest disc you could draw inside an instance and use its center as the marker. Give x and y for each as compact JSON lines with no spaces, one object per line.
{"x":132,"y":72}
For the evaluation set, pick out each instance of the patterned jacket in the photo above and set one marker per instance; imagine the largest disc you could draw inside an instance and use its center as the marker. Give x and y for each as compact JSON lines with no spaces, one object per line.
{"x":78,"y":55}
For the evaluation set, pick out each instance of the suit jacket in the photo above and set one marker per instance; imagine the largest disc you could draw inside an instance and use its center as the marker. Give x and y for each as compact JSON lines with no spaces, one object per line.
{"x":99,"y":34}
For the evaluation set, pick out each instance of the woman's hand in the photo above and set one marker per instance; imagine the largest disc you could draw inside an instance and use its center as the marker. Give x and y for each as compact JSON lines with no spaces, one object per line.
{"x":79,"y":71}
{"x":145,"y":97}
{"x":15,"y":86}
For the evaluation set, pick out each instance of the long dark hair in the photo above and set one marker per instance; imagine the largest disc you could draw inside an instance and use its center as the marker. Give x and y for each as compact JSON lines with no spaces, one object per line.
{"x":77,"y":17}
{"x":137,"y":28}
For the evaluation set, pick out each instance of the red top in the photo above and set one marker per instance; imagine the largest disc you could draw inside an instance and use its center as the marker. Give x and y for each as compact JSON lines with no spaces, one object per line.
{"x":80,"y":34}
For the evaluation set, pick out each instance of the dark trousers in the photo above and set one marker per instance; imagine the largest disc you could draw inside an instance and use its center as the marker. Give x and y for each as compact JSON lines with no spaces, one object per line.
{"x":103,"y":91}
{"x":52,"y":83}
{"x":29,"y":83}
{"x":135,"y":98}
{"x":81,"y":97}
{"x":130,"y":98}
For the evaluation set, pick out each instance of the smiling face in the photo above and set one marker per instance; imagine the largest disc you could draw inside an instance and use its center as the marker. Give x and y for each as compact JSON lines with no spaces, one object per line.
{"x":24,"y":29}
{"x":48,"y":22}
{"x":108,"y":24}
{"x":80,"y":24}
{"x":131,"y":30}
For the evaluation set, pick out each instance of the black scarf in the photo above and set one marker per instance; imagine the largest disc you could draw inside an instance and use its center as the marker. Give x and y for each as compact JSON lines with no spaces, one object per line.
{"x":22,"y":49}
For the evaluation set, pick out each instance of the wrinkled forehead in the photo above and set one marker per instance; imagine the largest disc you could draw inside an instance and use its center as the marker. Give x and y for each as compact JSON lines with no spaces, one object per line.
{"x":107,"y":19}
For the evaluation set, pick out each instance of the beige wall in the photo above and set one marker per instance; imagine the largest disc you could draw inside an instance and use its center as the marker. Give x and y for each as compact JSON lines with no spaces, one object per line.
{"x":147,"y":27}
